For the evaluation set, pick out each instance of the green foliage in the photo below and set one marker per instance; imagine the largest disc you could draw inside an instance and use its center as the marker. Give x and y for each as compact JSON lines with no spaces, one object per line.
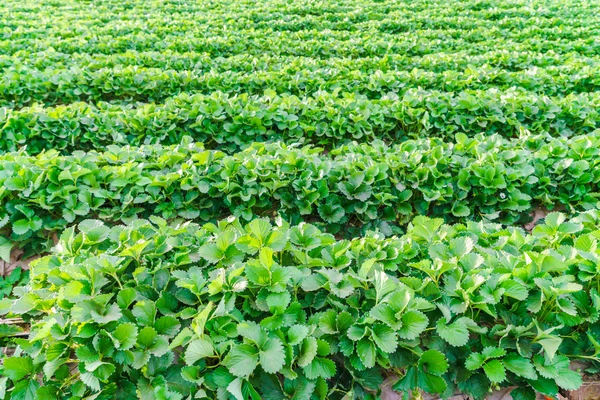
{"x":17,"y":277}
{"x":116,"y":82}
{"x":234,"y":121}
{"x":379,"y":116}
{"x":151,"y":308}
{"x":356,"y":187}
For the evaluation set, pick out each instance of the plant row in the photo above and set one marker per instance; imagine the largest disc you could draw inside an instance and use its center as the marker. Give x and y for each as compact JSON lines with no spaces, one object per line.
{"x":113,"y":17}
{"x":258,"y":311}
{"x":350,"y":189}
{"x":117,"y":20}
{"x":311,"y":43}
{"x":234,"y":121}
{"x":273,"y":16}
{"x":504,"y":59}
{"x":23,"y":86}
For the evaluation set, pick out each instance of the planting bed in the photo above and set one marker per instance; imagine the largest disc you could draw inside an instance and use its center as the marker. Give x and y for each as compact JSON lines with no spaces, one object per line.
{"x":299,"y":200}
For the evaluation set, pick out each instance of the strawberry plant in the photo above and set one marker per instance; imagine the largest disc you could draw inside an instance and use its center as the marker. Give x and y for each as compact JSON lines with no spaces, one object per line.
{"x":234,"y":121}
{"x":247,"y":311}
{"x":16,"y":277}
{"x":298,"y":200}
{"x":356,"y":187}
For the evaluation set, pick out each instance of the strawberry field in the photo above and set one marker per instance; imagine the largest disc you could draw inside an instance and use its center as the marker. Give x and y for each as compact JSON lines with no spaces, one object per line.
{"x":299,"y":200}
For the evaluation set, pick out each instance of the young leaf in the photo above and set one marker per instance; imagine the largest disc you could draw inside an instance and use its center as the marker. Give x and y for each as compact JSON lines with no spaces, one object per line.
{"x":125,"y":336}
{"x":16,"y":368}
{"x":455,"y":333}
{"x":413,"y":324}
{"x":320,"y":368}
{"x":433,"y":362}
{"x":242,"y":360}
{"x":494,"y":370}
{"x":367,"y":352}
{"x":519,"y":366}
{"x":197,"y":350}
{"x":272,"y":356}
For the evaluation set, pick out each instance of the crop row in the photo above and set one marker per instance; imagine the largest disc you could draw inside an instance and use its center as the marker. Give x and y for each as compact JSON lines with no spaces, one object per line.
{"x":234,"y":121}
{"x":392,"y":28}
{"x":508,"y":60}
{"x":258,"y":311}
{"x":352,"y":188}
{"x":326,"y":14}
{"x":307,"y":43}
{"x":353,"y":18}
{"x":23,"y":86}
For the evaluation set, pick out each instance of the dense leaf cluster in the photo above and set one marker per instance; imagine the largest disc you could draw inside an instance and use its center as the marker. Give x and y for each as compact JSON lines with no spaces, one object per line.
{"x":23,"y":85}
{"x":252,"y":198}
{"x":352,"y":188}
{"x":261,"y":311}
{"x":441,"y":62}
{"x":328,"y":29}
{"x":234,"y":121}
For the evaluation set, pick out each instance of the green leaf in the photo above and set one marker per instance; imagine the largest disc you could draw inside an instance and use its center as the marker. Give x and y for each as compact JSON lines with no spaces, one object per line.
{"x":320,"y":368}
{"x":367,"y":352}
{"x":3,"y":381}
{"x":272,"y":356}
{"x":252,"y":332}
{"x":5,"y":249}
{"x":455,"y":333}
{"x":95,"y":231}
{"x":554,"y":219}
{"x":569,"y":380}
{"x":296,"y":334}
{"x":235,"y":388}
{"x":544,"y":386}
{"x":24,"y":304}
{"x":298,"y":389}
{"x":87,"y":354}
{"x":433,"y":362}
{"x":167,"y":325}
{"x":145,"y":312}
{"x":307,"y":351}
{"x":16,"y":368}
{"x":494,"y":370}
{"x":431,"y":383}
{"x":477,"y":386}
{"x":475,"y":361}
{"x":126,"y":297}
{"x":493,"y":352}
{"x":461,"y":246}
{"x":278,"y":302}
{"x":460,"y":210}
{"x":104,"y":371}
{"x":197,"y":350}
{"x":408,"y":382}
{"x":550,"y":344}
{"x":523,"y":394}
{"x":211,"y":253}
{"x":20,"y":227}
{"x":519,"y":366}
{"x":242,"y":360}
{"x":564,"y":376}
{"x":413,"y":324}
{"x":146,"y":336}
{"x":25,"y":390}
{"x":515,"y":290}
{"x":385,"y":338}
{"x":90,"y":381}
{"x":383,"y":285}
{"x":125,"y":335}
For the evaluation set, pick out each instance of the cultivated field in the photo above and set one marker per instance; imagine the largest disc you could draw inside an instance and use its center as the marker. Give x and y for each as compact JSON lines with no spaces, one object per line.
{"x":299,"y":200}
